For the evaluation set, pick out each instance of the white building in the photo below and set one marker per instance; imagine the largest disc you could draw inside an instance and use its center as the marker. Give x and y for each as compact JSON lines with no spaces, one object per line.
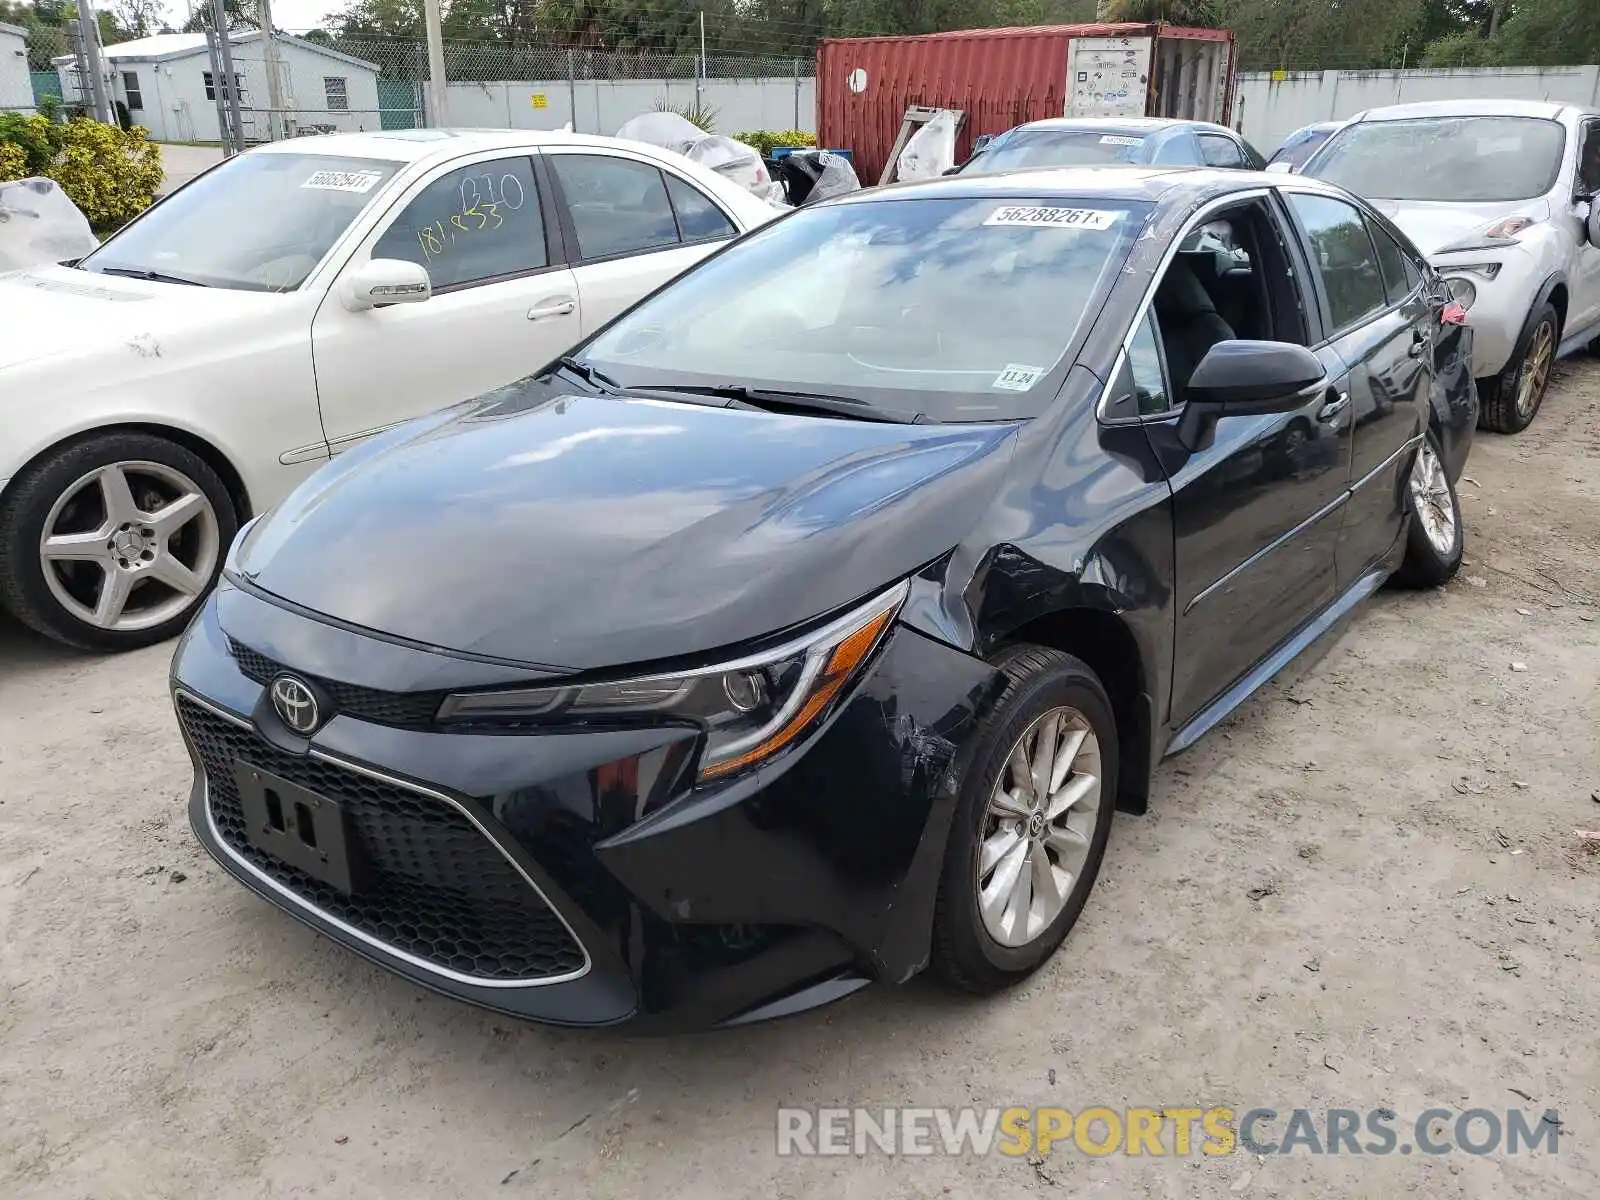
{"x":16,"y":88}
{"x":166,"y":82}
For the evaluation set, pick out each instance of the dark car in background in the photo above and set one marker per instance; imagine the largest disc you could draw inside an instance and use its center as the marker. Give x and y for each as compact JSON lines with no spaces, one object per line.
{"x":804,"y":627}
{"x":1301,"y":145}
{"x":1107,"y":141}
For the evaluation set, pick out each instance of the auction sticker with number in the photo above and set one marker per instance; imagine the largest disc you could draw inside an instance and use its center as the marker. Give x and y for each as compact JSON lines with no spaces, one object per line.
{"x":1117,"y":139}
{"x":1060,"y":218}
{"x":344,"y":181}
{"x":1017,"y":378}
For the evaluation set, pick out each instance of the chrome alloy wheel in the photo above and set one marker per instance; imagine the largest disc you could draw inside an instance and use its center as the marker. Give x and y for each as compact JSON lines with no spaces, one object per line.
{"x":129,"y":545}
{"x":1038,"y":826}
{"x":1430,"y":496}
{"x":1536,"y":368}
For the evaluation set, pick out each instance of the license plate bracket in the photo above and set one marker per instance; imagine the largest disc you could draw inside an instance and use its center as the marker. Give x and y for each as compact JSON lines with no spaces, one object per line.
{"x":296,"y":826}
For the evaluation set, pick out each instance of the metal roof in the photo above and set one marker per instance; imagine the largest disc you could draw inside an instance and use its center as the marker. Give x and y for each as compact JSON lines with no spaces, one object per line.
{"x":163,"y":47}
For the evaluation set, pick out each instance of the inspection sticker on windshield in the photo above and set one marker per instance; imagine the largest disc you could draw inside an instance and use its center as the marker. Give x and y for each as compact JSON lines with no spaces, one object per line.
{"x":1117,"y":139}
{"x":1059,"y":218}
{"x":1017,"y":378}
{"x":344,"y":181}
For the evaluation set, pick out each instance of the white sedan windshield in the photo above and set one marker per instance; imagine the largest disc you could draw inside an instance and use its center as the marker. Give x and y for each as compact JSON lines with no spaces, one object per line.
{"x":958,"y":308}
{"x":1463,"y":159}
{"x":261,"y":222}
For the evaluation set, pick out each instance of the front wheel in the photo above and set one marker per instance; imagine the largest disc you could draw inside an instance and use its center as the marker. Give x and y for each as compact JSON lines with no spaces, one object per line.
{"x":112,"y":543}
{"x":1510,"y":400}
{"x":1435,"y":540}
{"x":1031,"y":823}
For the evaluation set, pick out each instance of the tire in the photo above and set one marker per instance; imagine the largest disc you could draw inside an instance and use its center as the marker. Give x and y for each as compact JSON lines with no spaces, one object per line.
{"x":1429,"y":561}
{"x":1503,"y":408}
{"x":966,"y":952}
{"x":160,"y":535}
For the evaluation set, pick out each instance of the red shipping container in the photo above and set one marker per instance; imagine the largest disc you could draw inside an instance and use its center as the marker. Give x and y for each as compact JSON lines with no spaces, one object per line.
{"x":1003,"y":77}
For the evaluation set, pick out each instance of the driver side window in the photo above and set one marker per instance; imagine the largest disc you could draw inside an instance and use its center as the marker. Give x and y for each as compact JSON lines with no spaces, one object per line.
{"x":1589,"y":160}
{"x":1146,"y":370}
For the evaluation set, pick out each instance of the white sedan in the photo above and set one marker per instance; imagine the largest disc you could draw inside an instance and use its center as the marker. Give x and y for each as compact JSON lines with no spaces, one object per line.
{"x":282,"y":307}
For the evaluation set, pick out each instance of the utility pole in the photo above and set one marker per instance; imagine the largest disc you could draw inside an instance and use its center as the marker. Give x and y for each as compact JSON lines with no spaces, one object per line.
{"x":223,"y":132}
{"x":228,"y":85}
{"x":700,"y":75}
{"x":436,"y":80}
{"x":104,"y":110}
{"x":274,"y":66}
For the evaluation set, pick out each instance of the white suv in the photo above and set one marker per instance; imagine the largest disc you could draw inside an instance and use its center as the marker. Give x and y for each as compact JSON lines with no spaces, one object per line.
{"x":1501,"y":197}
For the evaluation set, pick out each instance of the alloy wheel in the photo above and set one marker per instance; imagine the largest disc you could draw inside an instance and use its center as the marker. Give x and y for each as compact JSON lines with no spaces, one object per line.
{"x":129,"y":545}
{"x":1430,"y":496}
{"x":1535,"y":368}
{"x":1037,"y":827}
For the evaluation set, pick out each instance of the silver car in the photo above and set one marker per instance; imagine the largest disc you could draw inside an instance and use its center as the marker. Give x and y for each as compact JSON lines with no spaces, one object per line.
{"x":1501,"y":197}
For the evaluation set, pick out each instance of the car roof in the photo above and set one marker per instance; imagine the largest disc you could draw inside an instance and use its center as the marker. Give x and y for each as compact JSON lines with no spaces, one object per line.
{"x":1121,"y":124}
{"x":1156,"y":185}
{"x":422,"y":145}
{"x":1549,"y":110}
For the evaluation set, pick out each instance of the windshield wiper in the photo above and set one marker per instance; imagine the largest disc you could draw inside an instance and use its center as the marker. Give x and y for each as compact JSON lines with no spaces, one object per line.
{"x":152,"y":276}
{"x":593,"y":376}
{"x":781,"y":401}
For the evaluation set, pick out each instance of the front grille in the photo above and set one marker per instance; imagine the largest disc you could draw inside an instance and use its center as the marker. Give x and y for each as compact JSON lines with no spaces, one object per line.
{"x":433,"y":886}
{"x":406,"y":709}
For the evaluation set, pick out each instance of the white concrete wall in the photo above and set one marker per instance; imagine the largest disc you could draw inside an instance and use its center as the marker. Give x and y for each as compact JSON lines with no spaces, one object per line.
{"x":1269,"y":106}
{"x":603,"y":105}
{"x":16,"y":89}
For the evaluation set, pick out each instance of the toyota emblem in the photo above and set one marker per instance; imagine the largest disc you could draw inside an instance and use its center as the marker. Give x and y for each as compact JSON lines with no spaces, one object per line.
{"x":295,"y":704}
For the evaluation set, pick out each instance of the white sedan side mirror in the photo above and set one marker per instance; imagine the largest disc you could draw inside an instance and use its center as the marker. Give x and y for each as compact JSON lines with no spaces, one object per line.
{"x":1279,"y":168}
{"x":387,"y":281}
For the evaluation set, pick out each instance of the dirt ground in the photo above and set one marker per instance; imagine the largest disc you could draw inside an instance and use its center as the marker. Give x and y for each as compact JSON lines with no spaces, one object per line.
{"x":1364,"y":890}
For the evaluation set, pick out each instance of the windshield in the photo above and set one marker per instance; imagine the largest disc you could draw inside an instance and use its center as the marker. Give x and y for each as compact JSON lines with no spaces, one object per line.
{"x":960,"y":309}
{"x":1462,"y":159}
{"x":1027,"y":148}
{"x":261,"y":222}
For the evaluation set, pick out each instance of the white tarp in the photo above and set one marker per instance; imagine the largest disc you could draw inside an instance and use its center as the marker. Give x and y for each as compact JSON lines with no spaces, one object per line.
{"x":38,"y":224}
{"x":729,"y":158}
{"x":931,"y":150}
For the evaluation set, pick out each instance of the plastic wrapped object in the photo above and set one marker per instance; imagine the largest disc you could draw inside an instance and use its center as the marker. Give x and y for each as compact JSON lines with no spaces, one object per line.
{"x":39,"y":224}
{"x":811,"y":175}
{"x":731,"y":159}
{"x":931,"y":150}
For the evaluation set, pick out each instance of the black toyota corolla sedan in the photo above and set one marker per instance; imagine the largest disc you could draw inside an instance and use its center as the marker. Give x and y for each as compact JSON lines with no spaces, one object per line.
{"x":804,"y":627}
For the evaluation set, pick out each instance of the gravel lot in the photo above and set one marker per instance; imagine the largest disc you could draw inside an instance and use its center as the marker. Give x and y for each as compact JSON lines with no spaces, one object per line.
{"x":1364,"y":890}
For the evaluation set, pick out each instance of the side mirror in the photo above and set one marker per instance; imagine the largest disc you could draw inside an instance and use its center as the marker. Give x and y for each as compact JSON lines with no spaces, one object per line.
{"x":386,"y":281}
{"x":1241,"y":378}
{"x":1594,"y":222}
{"x":1281,"y":167}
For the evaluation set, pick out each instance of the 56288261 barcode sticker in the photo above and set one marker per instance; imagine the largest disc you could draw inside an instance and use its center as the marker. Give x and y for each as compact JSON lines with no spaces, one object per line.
{"x":1030,"y":216}
{"x":343,"y":181}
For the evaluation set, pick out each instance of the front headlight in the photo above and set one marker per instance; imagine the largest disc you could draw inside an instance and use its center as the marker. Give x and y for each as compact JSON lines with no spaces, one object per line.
{"x":749,"y":709}
{"x":1462,"y":290}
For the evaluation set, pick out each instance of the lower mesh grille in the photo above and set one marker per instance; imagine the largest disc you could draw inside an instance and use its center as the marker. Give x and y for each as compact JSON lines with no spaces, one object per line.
{"x":434,"y":887}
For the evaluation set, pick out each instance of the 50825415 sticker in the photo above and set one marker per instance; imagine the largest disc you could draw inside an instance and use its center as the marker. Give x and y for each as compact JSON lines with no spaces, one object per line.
{"x":1117,"y":139}
{"x":360,"y":182}
{"x":1035,"y":217}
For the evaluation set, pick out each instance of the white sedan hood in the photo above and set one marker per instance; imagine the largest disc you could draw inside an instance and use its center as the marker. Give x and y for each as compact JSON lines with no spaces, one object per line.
{"x":57,"y":312}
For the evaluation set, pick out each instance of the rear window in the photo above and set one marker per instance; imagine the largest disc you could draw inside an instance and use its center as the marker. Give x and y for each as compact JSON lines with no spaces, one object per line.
{"x":1026,"y":149}
{"x":962,"y":309}
{"x":1464,"y":159}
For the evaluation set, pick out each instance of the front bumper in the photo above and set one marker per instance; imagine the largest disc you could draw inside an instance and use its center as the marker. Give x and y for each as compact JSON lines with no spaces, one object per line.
{"x":577,"y":877}
{"x":1499,"y":312}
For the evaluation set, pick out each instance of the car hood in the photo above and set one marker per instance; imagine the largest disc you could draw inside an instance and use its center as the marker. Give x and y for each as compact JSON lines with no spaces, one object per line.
{"x":54,"y":312}
{"x":576,"y":532}
{"x":1433,"y":225}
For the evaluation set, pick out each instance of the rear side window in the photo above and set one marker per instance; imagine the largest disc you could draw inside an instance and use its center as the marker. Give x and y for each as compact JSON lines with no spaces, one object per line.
{"x":1343,"y":255}
{"x":472,"y":225}
{"x":618,"y":206}
{"x":698,"y":217}
{"x":1180,"y":149}
{"x":1400,"y":274}
{"x":1219,"y":151}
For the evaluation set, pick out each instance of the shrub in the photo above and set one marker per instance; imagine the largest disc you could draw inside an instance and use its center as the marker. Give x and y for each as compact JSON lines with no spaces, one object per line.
{"x":110,"y":173}
{"x":766,"y":140}
{"x":702,"y":116}
{"x":13,"y":162}
{"x":37,"y":138}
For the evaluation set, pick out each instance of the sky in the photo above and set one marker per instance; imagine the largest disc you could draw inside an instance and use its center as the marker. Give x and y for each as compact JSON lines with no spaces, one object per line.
{"x":292,"y":15}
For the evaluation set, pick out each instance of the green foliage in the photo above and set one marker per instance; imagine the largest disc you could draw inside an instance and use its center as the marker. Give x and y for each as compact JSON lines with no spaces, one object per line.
{"x":765,"y":141}
{"x":110,"y":173}
{"x":702,"y":116}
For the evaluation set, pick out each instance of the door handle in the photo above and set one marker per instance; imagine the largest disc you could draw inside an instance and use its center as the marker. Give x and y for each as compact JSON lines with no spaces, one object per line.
{"x":1334,"y":407}
{"x":554,"y":308}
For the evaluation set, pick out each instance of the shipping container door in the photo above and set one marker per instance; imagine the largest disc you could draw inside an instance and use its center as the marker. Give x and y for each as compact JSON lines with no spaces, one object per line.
{"x":1191,"y":79}
{"x":1108,"y":77}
